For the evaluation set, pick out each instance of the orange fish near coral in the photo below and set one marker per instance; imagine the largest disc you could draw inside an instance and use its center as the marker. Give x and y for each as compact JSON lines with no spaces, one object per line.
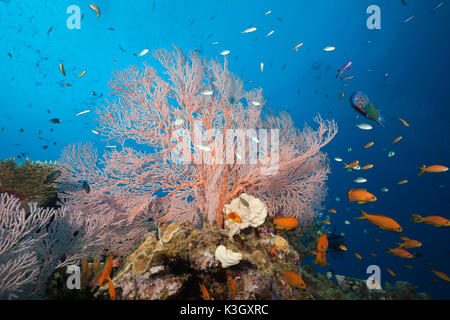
{"x":432,"y":168}
{"x":233,"y":216}
{"x":272,"y":250}
{"x":360,"y":196}
{"x":322,"y":247}
{"x":294,"y":280}
{"x":332,"y":211}
{"x":351,"y":165}
{"x":441,"y":275}
{"x":205,"y":293}
{"x":285,"y":223}
{"x":383,"y":222}
{"x":342,"y":247}
{"x":367,"y":166}
{"x":321,"y":258}
{"x":358,"y":256}
{"x":436,"y":221}
{"x":367,"y":146}
{"x":326,"y":222}
{"x":322,"y":244}
{"x":112,"y":291}
{"x":402,"y":253}
{"x":409,"y":243}
{"x":232,"y":283}
{"x":402,"y":182}
{"x":107,"y":271}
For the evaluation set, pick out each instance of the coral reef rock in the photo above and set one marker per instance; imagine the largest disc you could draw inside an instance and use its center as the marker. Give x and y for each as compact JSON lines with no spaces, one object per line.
{"x":252,"y":211}
{"x":173,"y":262}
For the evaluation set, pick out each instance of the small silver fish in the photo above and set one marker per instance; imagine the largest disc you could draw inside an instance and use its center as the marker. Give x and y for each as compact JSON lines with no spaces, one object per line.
{"x":360,"y":180}
{"x":248,"y":30}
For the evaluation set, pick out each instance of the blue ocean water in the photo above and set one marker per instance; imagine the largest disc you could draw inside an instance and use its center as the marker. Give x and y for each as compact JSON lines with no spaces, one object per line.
{"x":409,"y":79}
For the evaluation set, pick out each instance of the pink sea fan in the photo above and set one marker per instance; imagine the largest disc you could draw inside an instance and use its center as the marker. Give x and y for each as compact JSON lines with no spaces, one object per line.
{"x":18,"y":276}
{"x":35,"y":241}
{"x":20,"y":228}
{"x":174,"y":132}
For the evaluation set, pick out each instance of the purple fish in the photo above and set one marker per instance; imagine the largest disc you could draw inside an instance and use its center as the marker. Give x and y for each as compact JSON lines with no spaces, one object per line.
{"x":341,"y":70}
{"x":347,"y":77}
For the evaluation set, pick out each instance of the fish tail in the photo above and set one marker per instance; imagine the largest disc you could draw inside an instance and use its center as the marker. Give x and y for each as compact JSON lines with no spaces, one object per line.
{"x":422,"y":170}
{"x":404,"y":238}
{"x":364,"y":215}
{"x":346,"y":165}
{"x":417,"y":218}
{"x":400,"y":245}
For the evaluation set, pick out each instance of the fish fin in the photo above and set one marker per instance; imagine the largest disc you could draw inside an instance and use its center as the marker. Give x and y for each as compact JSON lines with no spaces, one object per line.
{"x":416,"y":218}
{"x":400,"y":245}
{"x":404,"y":238}
{"x":364,"y":215}
{"x":422,"y":170}
{"x":361,"y":202}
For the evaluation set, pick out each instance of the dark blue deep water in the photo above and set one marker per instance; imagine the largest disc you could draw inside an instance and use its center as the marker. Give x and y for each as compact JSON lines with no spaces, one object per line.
{"x":403,"y":67}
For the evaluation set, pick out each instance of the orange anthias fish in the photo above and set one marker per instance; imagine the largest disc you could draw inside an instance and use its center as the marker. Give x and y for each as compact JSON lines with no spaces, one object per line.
{"x":367,"y":166}
{"x":332,"y":211}
{"x":272,"y":250}
{"x":205,"y":293}
{"x":233,"y":216}
{"x":392,"y":273}
{"x":360,"y":196}
{"x":441,"y":275}
{"x":112,"y":291}
{"x":369,"y":145}
{"x":397,"y":139}
{"x":321,"y":258}
{"x":409,"y":243}
{"x":322,"y":247}
{"x":433,"y":168}
{"x":383,"y":222}
{"x":358,"y":256}
{"x":436,"y":221}
{"x":322,"y":244}
{"x":402,"y":253}
{"x":96,"y":9}
{"x":293,"y":279}
{"x":107,"y":271}
{"x":285,"y":223}
{"x":373,"y":254}
{"x":326,"y":222}
{"x":351,"y":165}
{"x":402,"y":182}
{"x":232,"y":283}
{"x":406,"y":124}
{"x":61,"y":68}
{"x":342,"y":247}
